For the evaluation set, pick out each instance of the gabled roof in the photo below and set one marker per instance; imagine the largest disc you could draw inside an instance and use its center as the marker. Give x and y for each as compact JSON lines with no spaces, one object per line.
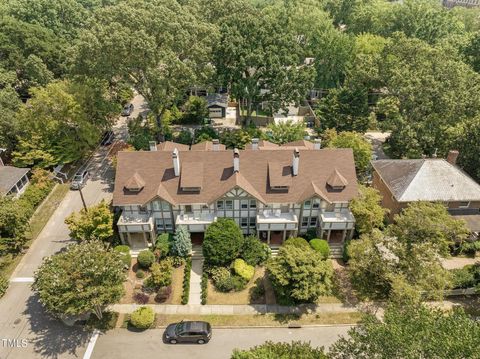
{"x":429,"y":179}
{"x":170,"y":146}
{"x":279,"y":174}
{"x":263,"y":145}
{"x":156,"y":169}
{"x":135,"y":182}
{"x":9,"y":176}
{"x":217,"y":99}
{"x":206,"y":146}
{"x":191,"y":175}
{"x":336,"y":179}
{"x":304,"y":144}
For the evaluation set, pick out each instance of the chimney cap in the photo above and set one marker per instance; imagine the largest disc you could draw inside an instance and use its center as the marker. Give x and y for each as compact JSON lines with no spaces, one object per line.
{"x":216,"y":141}
{"x":236,"y":152}
{"x":296,"y":152}
{"x":255,"y":140}
{"x":175,"y":152}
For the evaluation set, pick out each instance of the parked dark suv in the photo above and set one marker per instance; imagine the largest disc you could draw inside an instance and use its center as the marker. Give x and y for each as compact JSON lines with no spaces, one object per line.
{"x":188,"y":332}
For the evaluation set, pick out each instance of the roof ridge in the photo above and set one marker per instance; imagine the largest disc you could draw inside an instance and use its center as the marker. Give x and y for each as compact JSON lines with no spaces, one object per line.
{"x":413,"y":177}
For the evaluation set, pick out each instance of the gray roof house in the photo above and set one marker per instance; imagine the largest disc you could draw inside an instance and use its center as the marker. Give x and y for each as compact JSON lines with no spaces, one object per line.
{"x":217,"y":104}
{"x":13,"y":180}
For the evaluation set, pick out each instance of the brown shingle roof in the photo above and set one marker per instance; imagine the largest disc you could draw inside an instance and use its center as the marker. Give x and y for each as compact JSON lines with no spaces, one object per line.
{"x":156,"y":168}
{"x":170,"y":146}
{"x":206,"y":146}
{"x":279,"y":174}
{"x":300,"y":144}
{"x":191,"y":175}
{"x":336,"y":179}
{"x":135,"y":182}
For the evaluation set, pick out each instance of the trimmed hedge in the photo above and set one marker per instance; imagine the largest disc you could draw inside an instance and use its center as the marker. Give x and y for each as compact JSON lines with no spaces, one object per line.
{"x":298,"y":242}
{"x":254,"y":252}
{"x":243,"y":269}
{"x":466,"y":277}
{"x":204,"y":286}
{"x":142,"y":318}
{"x":186,"y":281}
{"x":321,"y":246}
{"x":224,"y":281}
{"x":126,"y":257}
{"x":145,"y":259}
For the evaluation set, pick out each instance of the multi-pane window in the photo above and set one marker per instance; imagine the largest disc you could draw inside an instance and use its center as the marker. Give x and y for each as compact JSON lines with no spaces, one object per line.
{"x":253,"y":203}
{"x":142,"y":209}
{"x":163,"y":224}
{"x":313,"y":221}
{"x":244,"y":204}
{"x":244,"y":222}
{"x":253,"y":221}
{"x":220,"y":205}
{"x":307,"y":204}
{"x":188,"y":208}
{"x":316,"y":203}
{"x":228,"y":204}
{"x":304,"y":221}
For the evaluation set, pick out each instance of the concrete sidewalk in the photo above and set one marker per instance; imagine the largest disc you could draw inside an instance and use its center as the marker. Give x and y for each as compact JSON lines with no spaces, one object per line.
{"x":238,"y":309}
{"x":194,"y":296}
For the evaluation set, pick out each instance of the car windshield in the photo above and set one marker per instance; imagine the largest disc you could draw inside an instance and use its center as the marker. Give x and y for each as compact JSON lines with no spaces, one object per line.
{"x":77,"y":178}
{"x":180,"y":328}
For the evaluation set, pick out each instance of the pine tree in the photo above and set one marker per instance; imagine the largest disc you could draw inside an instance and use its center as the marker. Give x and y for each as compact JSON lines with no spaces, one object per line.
{"x":182,"y":244}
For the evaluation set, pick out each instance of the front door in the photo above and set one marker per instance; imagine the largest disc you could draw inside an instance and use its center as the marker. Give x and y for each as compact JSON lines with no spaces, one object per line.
{"x":137,"y":241}
{"x":276,"y":238}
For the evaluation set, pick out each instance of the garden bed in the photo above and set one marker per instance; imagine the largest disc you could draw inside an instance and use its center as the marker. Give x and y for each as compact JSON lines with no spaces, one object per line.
{"x":243,"y":296}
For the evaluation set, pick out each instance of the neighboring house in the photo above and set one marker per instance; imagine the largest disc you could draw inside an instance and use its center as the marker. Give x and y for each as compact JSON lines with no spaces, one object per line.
{"x":13,"y":180}
{"x":213,"y":145}
{"x":169,"y":146}
{"x":465,"y":3}
{"x":273,"y":193}
{"x":217,"y":104}
{"x":401,"y":182}
{"x":301,"y":145}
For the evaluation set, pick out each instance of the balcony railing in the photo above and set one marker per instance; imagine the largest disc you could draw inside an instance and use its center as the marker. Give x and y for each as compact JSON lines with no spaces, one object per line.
{"x":135,"y":223}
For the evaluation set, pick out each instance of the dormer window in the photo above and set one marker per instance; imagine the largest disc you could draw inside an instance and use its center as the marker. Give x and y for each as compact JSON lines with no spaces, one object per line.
{"x":336,"y":181}
{"x":135,"y":183}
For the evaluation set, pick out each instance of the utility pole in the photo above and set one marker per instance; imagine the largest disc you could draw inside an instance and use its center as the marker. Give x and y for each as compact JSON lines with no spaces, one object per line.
{"x":83,"y":199}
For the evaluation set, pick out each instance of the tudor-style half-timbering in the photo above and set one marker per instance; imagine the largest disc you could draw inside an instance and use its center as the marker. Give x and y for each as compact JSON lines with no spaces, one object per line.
{"x":240,"y":206}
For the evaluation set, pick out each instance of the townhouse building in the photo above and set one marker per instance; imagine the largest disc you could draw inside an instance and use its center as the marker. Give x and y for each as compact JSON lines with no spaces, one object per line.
{"x":273,"y":193}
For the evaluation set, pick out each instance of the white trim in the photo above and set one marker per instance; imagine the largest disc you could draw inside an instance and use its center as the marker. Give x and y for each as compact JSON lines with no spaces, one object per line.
{"x":91,"y":344}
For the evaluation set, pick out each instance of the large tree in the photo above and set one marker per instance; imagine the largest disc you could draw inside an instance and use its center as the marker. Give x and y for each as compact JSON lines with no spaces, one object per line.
{"x":83,"y":279}
{"x":300,"y":274}
{"x":222,"y":243}
{"x":280,"y":351}
{"x":287,"y":131}
{"x":367,"y":210}
{"x":159,"y":47}
{"x":259,"y":58}
{"x":411,"y":331}
{"x":94,"y":223}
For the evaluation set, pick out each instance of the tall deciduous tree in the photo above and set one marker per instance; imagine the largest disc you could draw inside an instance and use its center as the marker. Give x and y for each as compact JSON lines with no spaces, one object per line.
{"x":159,"y":47}
{"x":366,"y":209}
{"x":80,"y":280}
{"x":411,"y":331}
{"x":94,"y":224}
{"x":280,"y":351}
{"x":287,"y":131}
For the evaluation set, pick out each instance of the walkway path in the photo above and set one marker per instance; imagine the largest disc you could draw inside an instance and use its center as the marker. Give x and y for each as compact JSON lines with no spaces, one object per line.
{"x":458,"y":262}
{"x":195,"y":280}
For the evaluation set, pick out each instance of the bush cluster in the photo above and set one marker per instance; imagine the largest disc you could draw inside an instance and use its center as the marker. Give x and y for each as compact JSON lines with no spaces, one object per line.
{"x":161,"y":274}
{"x":177,"y":261}
{"x":243,"y":269}
{"x":186,"y":281}
{"x":140,"y":274}
{"x":204,"y":286}
{"x":145,"y":259}
{"x":254,"y":252}
{"x":466,"y":277}
{"x":126,"y":257}
{"x":162,"y":244}
{"x":224,"y":281}
{"x":142,"y":318}
{"x":298,"y":242}
{"x":141,"y":298}
{"x":321,"y":246}
{"x":3,"y":286}
{"x":163,"y":294}
{"x":222,"y":243}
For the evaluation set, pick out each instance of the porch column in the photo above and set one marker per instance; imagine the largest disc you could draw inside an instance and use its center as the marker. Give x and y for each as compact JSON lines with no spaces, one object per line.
{"x":145,"y":238}
{"x":350,"y":234}
{"x":268,"y":237}
{"x":284,"y":235}
{"x":328,"y":235}
{"x":321,"y":233}
{"x":122,"y":237}
{"x":344,"y":235}
{"x":129,"y":239}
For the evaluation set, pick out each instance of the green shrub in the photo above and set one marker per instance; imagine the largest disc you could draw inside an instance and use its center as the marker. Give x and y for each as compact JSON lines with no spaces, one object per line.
{"x":311,"y":234}
{"x":163,"y":294}
{"x":298,"y":242}
{"x":142,"y":318}
{"x":204,"y":286}
{"x":162,"y":244}
{"x":140,"y":274}
{"x":222,"y":243}
{"x":126,"y":257}
{"x":3,"y":286}
{"x":224,"y":281}
{"x":219,"y":274}
{"x":145,"y":259}
{"x":258,"y":291}
{"x":186,"y":281}
{"x":464,"y":277}
{"x":470,"y":248}
{"x":321,"y":246}
{"x":345,"y":254}
{"x":243,"y":269}
{"x":161,"y":273}
{"x":238,"y":283}
{"x":254,"y":252}
{"x":177,"y":261}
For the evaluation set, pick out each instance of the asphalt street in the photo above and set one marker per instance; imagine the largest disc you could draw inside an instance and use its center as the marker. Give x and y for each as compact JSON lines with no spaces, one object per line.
{"x":21,"y":315}
{"x":122,"y":343}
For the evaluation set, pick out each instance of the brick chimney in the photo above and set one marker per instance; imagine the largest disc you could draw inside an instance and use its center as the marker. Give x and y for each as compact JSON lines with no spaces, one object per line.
{"x":176,"y":162}
{"x":236,"y":160}
{"x":254,"y":143}
{"x":452,"y":157}
{"x":296,"y":161}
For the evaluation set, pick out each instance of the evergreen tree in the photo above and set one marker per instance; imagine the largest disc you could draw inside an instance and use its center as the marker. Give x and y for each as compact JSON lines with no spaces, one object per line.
{"x":182,"y":244}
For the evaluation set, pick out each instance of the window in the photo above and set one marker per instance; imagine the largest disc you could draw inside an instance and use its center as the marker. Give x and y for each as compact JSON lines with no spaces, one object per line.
{"x":165,"y":205}
{"x":159,"y":224}
{"x":142,"y":209}
{"x":313,"y":221}
{"x":188,"y":208}
{"x":220,"y":205}
{"x":244,"y":204}
{"x":307,"y":204}
{"x":463,"y":204}
{"x":228,"y":204}
{"x":253,"y":203}
{"x":168,"y":224}
{"x":156,"y":205}
{"x":316,"y":204}
{"x":244,"y":222}
{"x":253,"y":221}
{"x":304,"y":221}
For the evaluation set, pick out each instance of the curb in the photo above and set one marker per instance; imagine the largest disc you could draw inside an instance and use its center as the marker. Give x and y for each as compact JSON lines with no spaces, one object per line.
{"x":269,"y":326}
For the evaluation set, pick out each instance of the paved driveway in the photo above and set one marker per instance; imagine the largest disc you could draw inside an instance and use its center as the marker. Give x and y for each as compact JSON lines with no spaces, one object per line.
{"x":21,"y":315}
{"x":121,"y":343}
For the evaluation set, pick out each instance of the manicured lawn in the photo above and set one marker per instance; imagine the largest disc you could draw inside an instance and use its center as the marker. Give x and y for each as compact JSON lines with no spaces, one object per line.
{"x":38,"y":222}
{"x":264,"y":319}
{"x":241,"y":297}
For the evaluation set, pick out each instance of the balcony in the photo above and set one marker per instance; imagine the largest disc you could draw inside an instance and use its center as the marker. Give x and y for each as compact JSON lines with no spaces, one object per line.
{"x":135,"y":223}
{"x":276,"y":220}
{"x":195,"y":219}
{"x":337,"y":220}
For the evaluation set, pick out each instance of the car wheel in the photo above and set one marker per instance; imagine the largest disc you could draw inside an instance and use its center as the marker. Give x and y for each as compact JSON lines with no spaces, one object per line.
{"x":201,"y":341}
{"x":173,"y":341}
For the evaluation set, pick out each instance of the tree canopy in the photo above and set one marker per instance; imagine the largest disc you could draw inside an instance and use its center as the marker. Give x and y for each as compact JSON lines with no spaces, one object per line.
{"x":94,"y":223}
